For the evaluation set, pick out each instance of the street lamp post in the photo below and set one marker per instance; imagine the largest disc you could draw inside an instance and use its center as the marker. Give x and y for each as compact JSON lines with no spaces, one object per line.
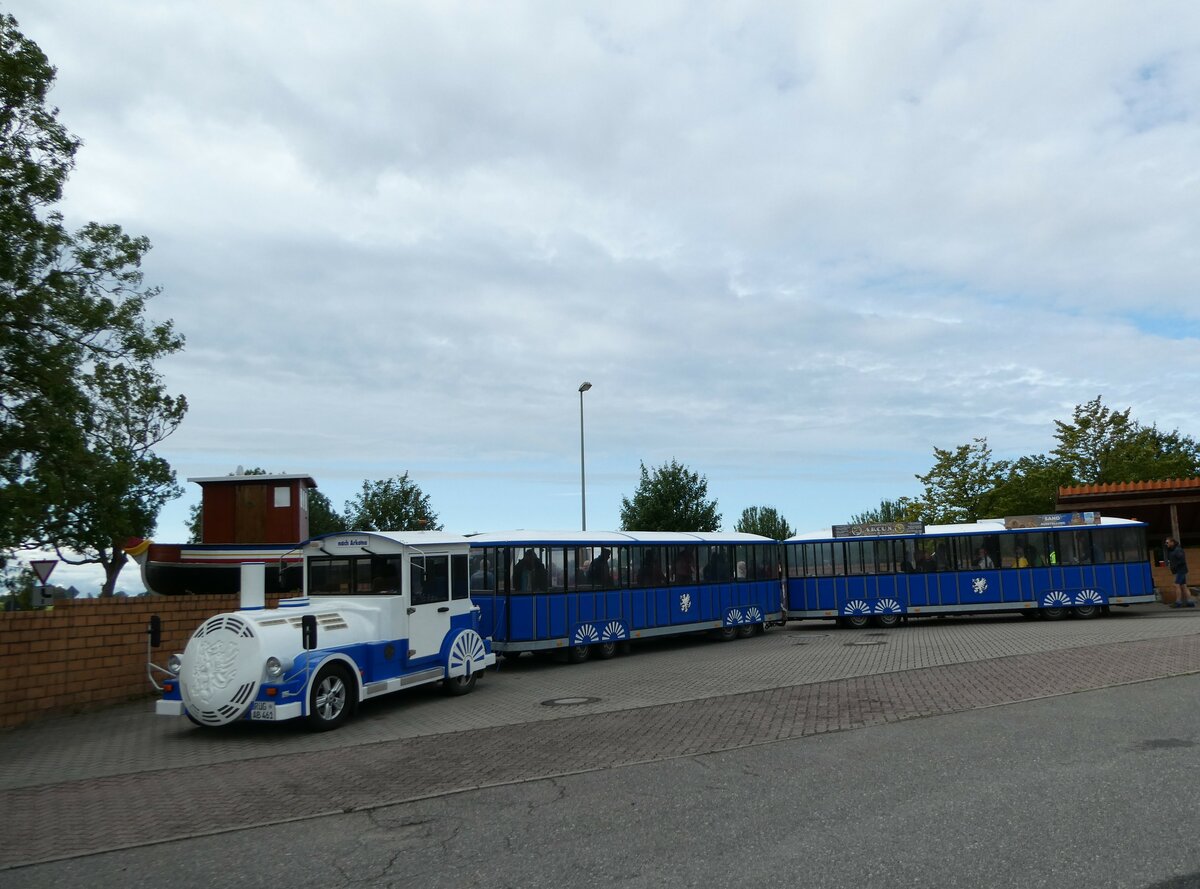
{"x":582,"y":484}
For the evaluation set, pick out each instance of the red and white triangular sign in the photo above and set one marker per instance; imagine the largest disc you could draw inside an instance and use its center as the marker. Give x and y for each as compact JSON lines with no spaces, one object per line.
{"x":43,"y":567}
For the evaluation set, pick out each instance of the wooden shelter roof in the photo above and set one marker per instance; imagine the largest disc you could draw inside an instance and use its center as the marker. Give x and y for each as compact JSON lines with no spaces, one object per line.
{"x":1171,"y":507}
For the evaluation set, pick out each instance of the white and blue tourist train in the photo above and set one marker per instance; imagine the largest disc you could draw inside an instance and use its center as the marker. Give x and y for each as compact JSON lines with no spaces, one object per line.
{"x":385,"y":611}
{"x":381,"y":611}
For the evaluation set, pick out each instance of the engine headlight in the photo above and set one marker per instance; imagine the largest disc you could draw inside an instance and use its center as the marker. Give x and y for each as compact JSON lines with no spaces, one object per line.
{"x":274,"y":668}
{"x":175,"y":663}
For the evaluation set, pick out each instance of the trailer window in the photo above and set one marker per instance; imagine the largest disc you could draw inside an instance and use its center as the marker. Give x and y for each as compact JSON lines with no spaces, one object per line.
{"x":483,"y":570}
{"x":529,"y":573}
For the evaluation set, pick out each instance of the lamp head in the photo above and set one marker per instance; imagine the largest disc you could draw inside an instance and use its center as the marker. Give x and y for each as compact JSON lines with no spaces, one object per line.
{"x":584,"y":387}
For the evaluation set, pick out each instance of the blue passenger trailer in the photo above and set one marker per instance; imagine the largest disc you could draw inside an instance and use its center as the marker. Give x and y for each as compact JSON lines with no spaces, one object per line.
{"x":589,"y":593}
{"x":1054,"y":571}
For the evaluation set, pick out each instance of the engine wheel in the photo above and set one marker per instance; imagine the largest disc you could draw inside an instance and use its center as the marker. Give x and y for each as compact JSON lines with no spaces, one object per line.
{"x":331,"y":699}
{"x":459,"y":685}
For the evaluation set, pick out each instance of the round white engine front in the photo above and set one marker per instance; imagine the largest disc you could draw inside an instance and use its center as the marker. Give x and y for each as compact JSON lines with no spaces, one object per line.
{"x":222,"y":669}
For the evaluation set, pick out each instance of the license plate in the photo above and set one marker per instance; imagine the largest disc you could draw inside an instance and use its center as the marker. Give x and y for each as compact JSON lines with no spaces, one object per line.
{"x":263,"y":710}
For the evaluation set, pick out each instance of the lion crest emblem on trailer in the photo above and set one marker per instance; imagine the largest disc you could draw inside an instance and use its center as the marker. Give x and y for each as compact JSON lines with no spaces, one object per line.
{"x":979,"y":585}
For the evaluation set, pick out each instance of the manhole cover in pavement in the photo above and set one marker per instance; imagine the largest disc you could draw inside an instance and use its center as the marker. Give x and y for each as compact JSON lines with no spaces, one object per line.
{"x":867,"y":642}
{"x":568,"y":702}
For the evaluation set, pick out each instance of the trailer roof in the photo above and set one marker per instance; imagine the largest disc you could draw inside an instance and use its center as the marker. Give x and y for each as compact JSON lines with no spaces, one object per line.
{"x":600,"y":538}
{"x":983,"y":526}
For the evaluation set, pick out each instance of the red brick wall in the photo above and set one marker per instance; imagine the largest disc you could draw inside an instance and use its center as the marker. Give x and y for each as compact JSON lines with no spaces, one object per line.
{"x":86,"y":653}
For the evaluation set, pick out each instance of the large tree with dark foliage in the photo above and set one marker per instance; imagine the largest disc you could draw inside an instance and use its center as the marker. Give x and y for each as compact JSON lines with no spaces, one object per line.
{"x":671,"y":498}
{"x":392,"y":504}
{"x":1100,"y":445}
{"x":81,"y":405}
{"x":1097,"y":445}
{"x":764,"y":520}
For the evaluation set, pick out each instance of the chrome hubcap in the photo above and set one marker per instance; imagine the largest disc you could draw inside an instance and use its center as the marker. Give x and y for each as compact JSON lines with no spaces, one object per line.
{"x":331,"y":697}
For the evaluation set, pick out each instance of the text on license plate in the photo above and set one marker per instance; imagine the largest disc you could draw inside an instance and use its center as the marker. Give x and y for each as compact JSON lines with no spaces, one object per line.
{"x":263,"y":710}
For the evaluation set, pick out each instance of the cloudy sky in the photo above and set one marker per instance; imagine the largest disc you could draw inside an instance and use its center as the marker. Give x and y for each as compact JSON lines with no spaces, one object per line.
{"x":793,"y":245}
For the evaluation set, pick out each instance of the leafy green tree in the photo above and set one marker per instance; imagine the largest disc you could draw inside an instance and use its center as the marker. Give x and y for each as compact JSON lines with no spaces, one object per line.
{"x":393,"y":504}
{"x":958,"y":485}
{"x":902,"y":509}
{"x":672,"y":498}
{"x":1101,"y":446}
{"x":1086,"y":444}
{"x":81,"y":406}
{"x":322,"y":518}
{"x":18,"y":589}
{"x":1030,"y":487}
{"x":764,"y":520}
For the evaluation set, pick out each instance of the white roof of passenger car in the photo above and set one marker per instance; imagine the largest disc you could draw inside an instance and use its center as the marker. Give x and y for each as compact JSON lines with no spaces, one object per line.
{"x":983,"y":526}
{"x":616,"y":538}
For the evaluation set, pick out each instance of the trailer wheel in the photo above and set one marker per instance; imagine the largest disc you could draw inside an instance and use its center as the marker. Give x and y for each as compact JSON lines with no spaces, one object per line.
{"x":887,"y":620}
{"x":331,"y":699}
{"x":459,"y":685}
{"x":606,"y":650}
{"x":726,"y":634}
{"x":1085,"y":612}
{"x":856,"y":621}
{"x":577,"y":654}
{"x":1054,"y":613}
{"x":745,"y":631}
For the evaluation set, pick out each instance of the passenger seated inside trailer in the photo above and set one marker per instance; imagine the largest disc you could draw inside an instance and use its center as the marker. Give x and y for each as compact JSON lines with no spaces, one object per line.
{"x":598,"y":572}
{"x":718,"y":565}
{"x":650,"y":572}
{"x":529,"y":574}
{"x":685,"y":567}
{"x":482,"y":576}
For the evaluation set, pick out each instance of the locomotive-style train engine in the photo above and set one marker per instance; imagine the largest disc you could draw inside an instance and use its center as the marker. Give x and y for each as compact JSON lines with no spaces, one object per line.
{"x":382,"y":611}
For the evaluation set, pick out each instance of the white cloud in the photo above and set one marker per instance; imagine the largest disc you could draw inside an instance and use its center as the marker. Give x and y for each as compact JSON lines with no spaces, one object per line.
{"x":793,"y":245}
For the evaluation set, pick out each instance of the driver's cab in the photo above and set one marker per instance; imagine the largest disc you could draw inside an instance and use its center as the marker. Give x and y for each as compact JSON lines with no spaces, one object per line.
{"x":414,"y":583}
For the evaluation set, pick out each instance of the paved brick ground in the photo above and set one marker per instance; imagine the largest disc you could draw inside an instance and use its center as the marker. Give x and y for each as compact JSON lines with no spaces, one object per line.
{"x":125,"y":778}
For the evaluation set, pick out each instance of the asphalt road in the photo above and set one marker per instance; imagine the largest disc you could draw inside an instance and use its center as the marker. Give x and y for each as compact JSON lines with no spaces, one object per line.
{"x":1068,"y":764}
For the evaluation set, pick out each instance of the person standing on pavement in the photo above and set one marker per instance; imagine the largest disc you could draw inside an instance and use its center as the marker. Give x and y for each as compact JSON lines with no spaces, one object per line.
{"x":1177,"y":564}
